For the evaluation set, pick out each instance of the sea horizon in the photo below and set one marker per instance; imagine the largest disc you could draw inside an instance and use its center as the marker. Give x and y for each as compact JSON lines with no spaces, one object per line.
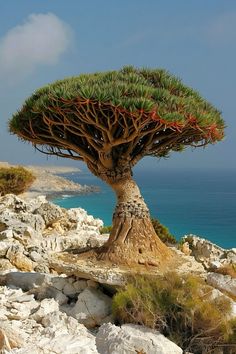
{"x":187,"y":201}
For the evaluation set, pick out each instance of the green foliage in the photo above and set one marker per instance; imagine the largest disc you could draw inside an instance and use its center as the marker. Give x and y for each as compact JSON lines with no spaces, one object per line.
{"x":106,"y":229}
{"x":129,"y":113}
{"x":163,"y":232}
{"x":15,"y":180}
{"x":182,"y":308}
{"x":130,"y":88}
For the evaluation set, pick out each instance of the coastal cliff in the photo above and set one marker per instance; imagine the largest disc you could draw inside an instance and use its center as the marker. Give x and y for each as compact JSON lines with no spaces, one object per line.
{"x":49,"y":182}
{"x":45,"y":292}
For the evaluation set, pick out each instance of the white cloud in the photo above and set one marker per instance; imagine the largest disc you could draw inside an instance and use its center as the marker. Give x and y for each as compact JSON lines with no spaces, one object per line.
{"x":39,"y":41}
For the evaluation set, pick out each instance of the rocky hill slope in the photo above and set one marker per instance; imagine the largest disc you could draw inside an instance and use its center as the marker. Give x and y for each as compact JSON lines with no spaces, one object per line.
{"x":49,"y":305}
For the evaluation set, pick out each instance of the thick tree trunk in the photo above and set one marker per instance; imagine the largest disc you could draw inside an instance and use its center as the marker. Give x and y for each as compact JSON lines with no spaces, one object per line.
{"x":133,"y":239}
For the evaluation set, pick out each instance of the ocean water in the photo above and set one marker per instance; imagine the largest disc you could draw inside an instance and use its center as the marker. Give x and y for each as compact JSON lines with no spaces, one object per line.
{"x":197,"y":202}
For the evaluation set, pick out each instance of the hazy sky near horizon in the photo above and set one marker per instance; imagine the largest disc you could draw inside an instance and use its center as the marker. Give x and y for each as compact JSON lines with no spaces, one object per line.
{"x":42,"y":41}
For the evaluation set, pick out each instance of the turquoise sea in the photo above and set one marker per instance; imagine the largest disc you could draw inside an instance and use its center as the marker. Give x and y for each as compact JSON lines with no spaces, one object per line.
{"x":191,"y":201}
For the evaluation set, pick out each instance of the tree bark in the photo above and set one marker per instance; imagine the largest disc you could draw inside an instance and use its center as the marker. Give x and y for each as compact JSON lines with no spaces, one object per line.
{"x":133,"y":239}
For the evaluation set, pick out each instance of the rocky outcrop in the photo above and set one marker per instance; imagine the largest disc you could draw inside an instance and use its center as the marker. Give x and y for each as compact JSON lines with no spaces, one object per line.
{"x":43,"y":312}
{"x":30,"y":326}
{"x":30,"y":230}
{"x":207,"y":253}
{"x":133,"y":339}
{"x":92,"y":307}
{"x":34,"y":320}
{"x":222,"y":282}
{"x":79,"y":298}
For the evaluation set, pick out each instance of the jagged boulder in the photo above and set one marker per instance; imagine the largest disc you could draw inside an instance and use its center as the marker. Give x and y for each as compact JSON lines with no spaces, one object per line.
{"x":50,"y":213}
{"x":35,"y":324}
{"x":133,"y":339}
{"x":91,"y":308}
{"x":222,"y":282}
{"x":15,"y":254}
{"x":22,"y":226}
{"x":30,"y":230}
{"x":12,"y":202}
{"x":208,"y":253}
{"x":59,"y":288}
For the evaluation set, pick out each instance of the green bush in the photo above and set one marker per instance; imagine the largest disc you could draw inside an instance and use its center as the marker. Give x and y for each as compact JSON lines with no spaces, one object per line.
{"x":105,"y":229}
{"x":182,"y":308}
{"x":15,"y":180}
{"x":160,"y":230}
{"x":163,"y":232}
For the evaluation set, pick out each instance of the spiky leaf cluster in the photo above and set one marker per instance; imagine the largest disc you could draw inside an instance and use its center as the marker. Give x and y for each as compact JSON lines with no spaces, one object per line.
{"x":134,"y":112}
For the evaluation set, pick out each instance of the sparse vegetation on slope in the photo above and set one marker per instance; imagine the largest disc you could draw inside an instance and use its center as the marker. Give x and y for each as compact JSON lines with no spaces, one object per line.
{"x":182,"y":308}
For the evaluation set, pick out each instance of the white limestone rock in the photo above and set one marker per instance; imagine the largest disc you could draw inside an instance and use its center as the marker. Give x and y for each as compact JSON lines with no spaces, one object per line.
{"x":189,"y":265}
{"x":79,"y":239}
{"x":215,"y":265}
{"x":41,"y":285}
{"x":47,"y":306}
{"x":63,"y":334}
{"x":19,"y":311}
{"x":91,"y":308}
{"x":222,"y":282}
{"x":4,"y":246}
{"x":49,"y":212}
{"x":46,"y":285}
{"x":231,"y":255}
{"x":208,"y":253}
{"x":59,"y":282}
{"x":84,"y":221}
{"x":6,"y":234}
{"x":54,"y":332}
{"x":34,"y":203}
{"x":5,"y":265}
{"x":35,"y":256}
{"x":133,"y":339}
{"x":12,"y":202}
{"x":8,"y":340}
{"x":9,"y":219}
{"x":16,"y":256}
{"x":16,"y":305}
{"x":41,"y":228}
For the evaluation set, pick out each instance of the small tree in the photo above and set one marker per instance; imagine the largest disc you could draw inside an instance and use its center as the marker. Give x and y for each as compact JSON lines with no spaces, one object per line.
{"x":110,"y":121}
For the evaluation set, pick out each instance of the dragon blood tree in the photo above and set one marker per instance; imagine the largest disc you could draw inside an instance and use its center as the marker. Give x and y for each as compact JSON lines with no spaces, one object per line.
{"x":111,"y":120}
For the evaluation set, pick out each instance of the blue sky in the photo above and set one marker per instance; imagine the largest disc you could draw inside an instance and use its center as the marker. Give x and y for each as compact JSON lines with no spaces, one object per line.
{"x":42,"y":41}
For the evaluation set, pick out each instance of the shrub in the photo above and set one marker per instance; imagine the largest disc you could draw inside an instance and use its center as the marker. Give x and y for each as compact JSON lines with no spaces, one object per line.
{"x":183,"y":309}
{"x":228,"y":269}
{"x":15,"y":180}
{"x":163,"y":232}
{"x":105,"y":229}
{"x":160,"y":230}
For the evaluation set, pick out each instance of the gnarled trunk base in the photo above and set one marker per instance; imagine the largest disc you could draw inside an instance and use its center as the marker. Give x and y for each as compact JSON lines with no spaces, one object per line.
{"x":134,"y":241}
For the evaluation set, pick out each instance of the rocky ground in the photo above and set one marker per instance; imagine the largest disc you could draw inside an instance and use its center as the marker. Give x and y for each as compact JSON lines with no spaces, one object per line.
{"x":49,"y":182}
{"x":49,"y":306}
